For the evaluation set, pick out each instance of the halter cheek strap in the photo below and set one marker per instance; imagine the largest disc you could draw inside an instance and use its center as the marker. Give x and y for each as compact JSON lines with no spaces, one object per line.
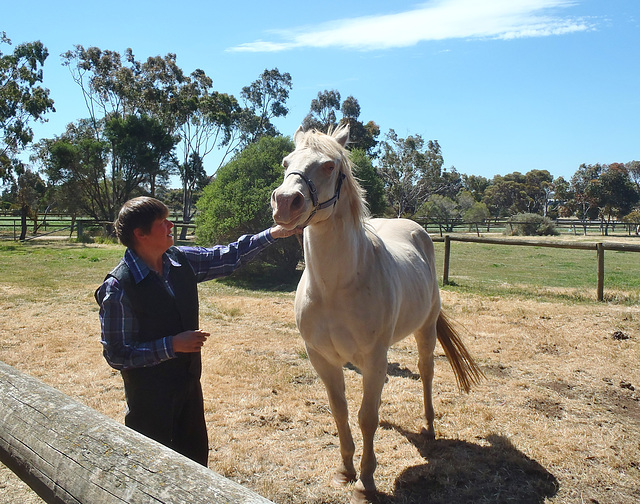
{"x":313,"y":192}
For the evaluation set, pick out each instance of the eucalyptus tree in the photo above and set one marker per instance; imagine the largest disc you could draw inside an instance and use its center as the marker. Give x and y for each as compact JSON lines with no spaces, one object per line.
{"x":539,"y":189}
{"x":411,"y":171}
{"x":206,"y":120}
{"x":370,"y":181}
{"x":633,"y":168}
{"x":585,"y":191}
{"x":617,"y":194}
{"x":264,"y":100}
{"x":75,"y":163}
{"x":507,"y":195}
{"x":115,"y":88}
{"x":443,"y":210}
{"x":476,"y":185}
{"x":144,"y":150}
{"x":322,"y":114}
{"x":22,"y":100}
{"x":118,"y":88}
{"x":361,"y":136}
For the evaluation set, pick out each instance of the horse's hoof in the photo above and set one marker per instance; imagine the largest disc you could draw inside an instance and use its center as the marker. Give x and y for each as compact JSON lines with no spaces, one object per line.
{"x":428,"y":434}
{"x":341,"y":479}
{"x":361,"y":495}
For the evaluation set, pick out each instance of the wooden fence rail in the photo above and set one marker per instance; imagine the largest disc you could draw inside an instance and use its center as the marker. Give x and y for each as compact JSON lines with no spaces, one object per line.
{"x":598,"y":247}
{"x":70,"y":454}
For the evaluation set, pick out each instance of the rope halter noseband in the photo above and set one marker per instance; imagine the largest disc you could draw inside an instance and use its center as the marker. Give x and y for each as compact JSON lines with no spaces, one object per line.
{"x":313,"y":192}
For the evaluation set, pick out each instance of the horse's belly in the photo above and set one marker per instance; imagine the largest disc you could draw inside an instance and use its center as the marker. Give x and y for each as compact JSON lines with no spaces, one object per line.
{"x":360,"y":324}
{"x":342,"y":331}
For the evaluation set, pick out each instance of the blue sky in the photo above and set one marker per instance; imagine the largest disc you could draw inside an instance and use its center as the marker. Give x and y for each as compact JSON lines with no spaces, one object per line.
{"x":503,"y":85}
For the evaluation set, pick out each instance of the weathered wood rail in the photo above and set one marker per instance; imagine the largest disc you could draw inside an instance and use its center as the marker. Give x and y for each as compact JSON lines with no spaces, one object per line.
{"x":70,"y":454}
{"x":599,"y":248}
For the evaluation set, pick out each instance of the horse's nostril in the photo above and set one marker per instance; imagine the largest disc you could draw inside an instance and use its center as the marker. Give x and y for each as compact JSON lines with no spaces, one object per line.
{"x":297,"y":201}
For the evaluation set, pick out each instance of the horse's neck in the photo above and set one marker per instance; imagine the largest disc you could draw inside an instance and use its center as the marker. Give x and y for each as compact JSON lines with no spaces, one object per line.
{"x":334,"y":252}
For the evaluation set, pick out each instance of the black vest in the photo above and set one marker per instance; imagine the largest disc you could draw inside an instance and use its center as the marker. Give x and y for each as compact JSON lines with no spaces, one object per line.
{"x":159,"y":315}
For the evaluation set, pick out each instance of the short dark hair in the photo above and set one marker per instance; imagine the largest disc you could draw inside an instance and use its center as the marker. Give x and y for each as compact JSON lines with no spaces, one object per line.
{"x":138,"y":213}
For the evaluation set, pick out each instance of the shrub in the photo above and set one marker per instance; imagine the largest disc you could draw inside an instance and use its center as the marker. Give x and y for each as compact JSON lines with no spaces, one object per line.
{"x":236,"y":202}
{"x":528,"y":224}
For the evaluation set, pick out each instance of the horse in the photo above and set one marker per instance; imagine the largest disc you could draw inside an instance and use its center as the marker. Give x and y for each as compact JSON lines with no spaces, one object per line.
{"x":367,"y":284}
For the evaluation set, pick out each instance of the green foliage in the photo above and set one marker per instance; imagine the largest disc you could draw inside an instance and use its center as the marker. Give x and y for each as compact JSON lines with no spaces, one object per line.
{"x":365,"y":172}
{"x":528,"y":224}
{"x":322,"y":117}
{"x":144,"y":149}
{"x":442,"y":210}
{"x":476,"y":213}
{"x":265,"y":100}
{"x":411,"y":171}
{"x":236,"y":202}
{"x":22,"y":100}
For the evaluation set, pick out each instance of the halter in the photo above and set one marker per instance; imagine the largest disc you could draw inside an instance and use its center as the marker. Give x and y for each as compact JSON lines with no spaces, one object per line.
{"x":313,"y":192}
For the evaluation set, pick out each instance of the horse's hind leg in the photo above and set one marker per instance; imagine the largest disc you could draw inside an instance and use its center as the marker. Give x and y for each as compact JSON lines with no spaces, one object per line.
{"x":333,"y":379}
{"x":426,"y":338}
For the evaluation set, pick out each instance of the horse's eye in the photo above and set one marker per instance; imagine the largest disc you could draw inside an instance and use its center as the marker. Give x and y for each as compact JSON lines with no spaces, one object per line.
{"x":285,"y":164}
{"x":329,"y":166}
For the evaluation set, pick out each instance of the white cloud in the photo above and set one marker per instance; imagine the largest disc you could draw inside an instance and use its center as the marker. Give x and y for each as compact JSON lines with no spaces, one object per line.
{"x":435,"y":20}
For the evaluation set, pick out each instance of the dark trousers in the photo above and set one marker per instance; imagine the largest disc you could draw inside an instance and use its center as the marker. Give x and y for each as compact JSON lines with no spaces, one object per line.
{"x":169,"y":409}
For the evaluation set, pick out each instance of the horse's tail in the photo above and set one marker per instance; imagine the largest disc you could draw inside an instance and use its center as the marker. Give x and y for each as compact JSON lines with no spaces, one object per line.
{"x":466,"y":370}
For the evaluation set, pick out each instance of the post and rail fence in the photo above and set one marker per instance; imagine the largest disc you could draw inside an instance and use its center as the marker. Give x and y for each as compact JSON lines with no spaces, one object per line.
{"x":81,"y":226}
{"x":599,"y":247}
{"x":69,"y":453}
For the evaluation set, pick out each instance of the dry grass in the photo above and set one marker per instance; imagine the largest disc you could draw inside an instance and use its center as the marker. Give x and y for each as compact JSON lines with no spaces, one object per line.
{"x":557,"y":421}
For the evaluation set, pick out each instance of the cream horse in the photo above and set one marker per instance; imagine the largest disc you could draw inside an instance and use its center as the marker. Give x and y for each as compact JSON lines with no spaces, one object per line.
{"x":367,"y":284}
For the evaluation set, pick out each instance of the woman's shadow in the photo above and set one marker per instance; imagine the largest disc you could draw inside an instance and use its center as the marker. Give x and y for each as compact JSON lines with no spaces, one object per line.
{"x":459,"y":472}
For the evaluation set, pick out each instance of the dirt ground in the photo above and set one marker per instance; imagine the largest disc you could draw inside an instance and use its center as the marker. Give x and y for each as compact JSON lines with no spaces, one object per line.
{"x":556,"y":421}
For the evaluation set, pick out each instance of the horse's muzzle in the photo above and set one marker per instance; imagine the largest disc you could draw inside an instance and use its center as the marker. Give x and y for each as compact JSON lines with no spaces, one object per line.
{"x":287,"y":207}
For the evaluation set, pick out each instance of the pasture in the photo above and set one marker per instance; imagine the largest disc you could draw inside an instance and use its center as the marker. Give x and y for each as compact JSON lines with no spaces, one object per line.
{"x":556,"y":421}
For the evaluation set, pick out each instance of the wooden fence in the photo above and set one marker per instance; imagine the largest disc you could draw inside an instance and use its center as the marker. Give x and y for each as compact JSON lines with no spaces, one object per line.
{"x":574,"y":226}
{"x":70,"y":454}
{"x":598,"y":247}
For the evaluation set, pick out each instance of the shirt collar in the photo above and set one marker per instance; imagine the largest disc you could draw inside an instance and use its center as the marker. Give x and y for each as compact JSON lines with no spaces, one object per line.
{"x":139,"y":268}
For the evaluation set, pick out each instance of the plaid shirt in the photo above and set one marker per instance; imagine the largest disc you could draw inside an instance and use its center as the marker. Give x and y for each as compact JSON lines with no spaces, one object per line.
{"x":118,"y":321}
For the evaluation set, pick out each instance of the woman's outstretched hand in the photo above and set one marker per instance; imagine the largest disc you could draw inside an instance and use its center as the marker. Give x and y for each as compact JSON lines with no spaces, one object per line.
{"x":278,"y":231}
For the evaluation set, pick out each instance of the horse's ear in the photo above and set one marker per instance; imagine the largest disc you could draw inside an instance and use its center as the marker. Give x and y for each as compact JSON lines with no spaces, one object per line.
{"x":297,"y":136}
{"x":342,"y":135}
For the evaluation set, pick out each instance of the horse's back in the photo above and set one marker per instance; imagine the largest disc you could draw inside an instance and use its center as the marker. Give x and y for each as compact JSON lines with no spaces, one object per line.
{"x":404,"y":233}
{"x":411,"y":264}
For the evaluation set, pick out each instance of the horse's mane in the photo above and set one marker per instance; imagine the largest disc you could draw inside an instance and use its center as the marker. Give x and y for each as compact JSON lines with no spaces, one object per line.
{"x":351,"y":188}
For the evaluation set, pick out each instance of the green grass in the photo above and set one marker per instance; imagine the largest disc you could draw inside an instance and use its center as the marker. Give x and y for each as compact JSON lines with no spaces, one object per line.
{"x":545,"y":273}
{"x":39,"y":270}
{"x":44,"y":268}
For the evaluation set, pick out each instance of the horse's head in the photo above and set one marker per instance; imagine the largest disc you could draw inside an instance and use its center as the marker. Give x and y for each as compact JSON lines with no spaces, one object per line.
{"x":316,"y":173}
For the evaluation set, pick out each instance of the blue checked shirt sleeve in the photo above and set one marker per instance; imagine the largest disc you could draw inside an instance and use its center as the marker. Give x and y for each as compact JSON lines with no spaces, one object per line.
{"x":119,"y":326}
{"x":222,"y":260}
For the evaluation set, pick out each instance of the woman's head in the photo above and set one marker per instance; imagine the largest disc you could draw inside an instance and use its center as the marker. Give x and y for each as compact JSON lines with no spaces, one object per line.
{"x":138,"y":213}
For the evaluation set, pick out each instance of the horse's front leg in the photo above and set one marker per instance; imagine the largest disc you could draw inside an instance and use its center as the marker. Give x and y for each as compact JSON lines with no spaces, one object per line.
{"x":333,"y":379}
{"x":373,"y":378}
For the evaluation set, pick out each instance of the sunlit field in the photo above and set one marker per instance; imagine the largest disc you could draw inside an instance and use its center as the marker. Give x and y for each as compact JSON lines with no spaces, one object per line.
{"x":556,"y":421}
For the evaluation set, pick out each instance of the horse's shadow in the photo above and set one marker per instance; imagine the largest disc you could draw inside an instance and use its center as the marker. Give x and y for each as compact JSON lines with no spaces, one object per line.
{"x":459,"y":472}
{"x":393,"y":369}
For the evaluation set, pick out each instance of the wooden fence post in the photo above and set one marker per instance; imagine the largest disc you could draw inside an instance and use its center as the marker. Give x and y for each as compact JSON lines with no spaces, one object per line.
{"x":70,"y":454}
{"x":600,"y":249}
{"x":447,"y":253}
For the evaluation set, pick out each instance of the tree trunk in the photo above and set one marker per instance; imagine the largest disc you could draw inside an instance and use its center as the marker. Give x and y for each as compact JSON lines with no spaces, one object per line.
{"x":23,"y":221}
